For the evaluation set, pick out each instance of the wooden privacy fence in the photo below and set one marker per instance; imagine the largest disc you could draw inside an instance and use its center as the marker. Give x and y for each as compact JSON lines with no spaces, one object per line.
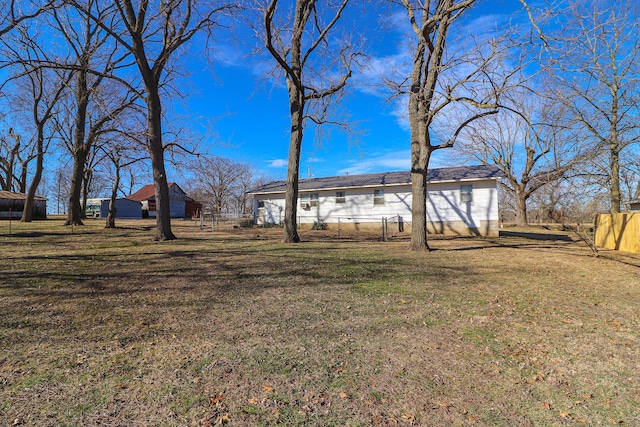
{"x":618,"y":231}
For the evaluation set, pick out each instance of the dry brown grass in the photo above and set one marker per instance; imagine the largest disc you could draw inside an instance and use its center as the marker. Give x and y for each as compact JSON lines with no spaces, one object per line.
{"x":106,"y":327}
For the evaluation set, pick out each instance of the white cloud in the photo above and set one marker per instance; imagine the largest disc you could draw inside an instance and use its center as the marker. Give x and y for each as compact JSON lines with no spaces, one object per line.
{"x":278,"y":163}
{"x":394,"y":161}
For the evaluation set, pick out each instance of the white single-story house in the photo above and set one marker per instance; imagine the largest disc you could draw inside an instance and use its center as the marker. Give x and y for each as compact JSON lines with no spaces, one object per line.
{"x":125,"y":208}
{"x":460,"y":200}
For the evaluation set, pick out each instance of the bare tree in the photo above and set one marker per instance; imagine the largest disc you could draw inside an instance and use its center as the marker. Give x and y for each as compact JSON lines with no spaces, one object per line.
{"x":45,"y":88}
{"x":10,"y":146}
{"x":630,"y":176}
{"x":246,"y":181}
{"x":121,"y":156}
{"x":14,"y":12}
{"x":153,"y":32}
{"x":595,"y":56}
{"x":59,"y":186}
{"x":44,"y":100}
{"x":316,"y":67}
{"x":442,"y":83}
{"x":221,"y":184}
{"x":17,"y":148}
{"x":531,"y":142}
{"x":98,"y":97}
{"x":25,"y":159}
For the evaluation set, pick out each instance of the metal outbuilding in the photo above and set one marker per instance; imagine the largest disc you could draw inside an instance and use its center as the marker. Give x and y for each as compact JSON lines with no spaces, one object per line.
{"x":12,"y":205}
{"x":125,"y":208}
{"x":147,"y":196}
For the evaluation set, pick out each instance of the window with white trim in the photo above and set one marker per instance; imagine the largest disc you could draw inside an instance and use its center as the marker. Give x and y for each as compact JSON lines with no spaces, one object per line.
{"x":340,"y":197}
{"x":466,"y":193}
{"x":309,"y":200}
{"x":378,"y":197}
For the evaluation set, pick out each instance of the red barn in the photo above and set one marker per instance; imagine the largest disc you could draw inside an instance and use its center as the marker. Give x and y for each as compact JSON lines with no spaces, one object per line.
{"x":181,"y":205}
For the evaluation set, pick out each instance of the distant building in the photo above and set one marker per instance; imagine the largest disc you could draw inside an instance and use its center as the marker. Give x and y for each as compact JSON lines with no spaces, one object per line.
{"x":460,"y":200}
{"x":125,"y":208}
{"x":12,"y":205}
{"x":634,"y":205}
{"x":192,"y":208}
{"x":181,"y":206}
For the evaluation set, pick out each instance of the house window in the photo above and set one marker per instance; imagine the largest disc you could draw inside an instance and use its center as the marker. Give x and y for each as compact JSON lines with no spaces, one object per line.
{"x":340,"y":198}
{"x":466,"y":193}
{"x":378,"y":197}
{"x":308,"y":200}
{"x":261,"y":204}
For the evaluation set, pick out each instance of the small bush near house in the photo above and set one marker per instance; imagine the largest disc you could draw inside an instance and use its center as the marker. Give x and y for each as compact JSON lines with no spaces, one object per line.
{"x":320,"y":224}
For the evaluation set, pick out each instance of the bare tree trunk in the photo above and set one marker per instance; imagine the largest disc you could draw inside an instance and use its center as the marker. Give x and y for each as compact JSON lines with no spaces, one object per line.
{"x":87,"y":179}
{"x":156,"y":153}
{"x":9,"y":164}
{"x":74,"y":214}
{"x":79,"y":150}
{"x":7,"y":183}
{"x":521,"y":208}
{"x":23,"y":176}
{"x":419,"y":163}
{"x":293,"y":59}
{"x":296,"y":101}
{"x":615,"y":180}
{"x":27,"y":213}
{"x":111,"y":217}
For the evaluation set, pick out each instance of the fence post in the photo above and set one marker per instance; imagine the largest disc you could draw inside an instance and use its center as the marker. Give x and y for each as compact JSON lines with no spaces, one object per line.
{"x":384,"y":234}
{"x":213,"y":216}
{"x":201,"y":221}
{"x":386,"y":227}
{"x":338,"y":228}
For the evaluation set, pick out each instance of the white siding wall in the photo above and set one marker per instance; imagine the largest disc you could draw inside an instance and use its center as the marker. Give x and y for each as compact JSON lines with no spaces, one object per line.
{"x":444,"y":202}
{"x":444,"y":205}
{"x":357,"y":208}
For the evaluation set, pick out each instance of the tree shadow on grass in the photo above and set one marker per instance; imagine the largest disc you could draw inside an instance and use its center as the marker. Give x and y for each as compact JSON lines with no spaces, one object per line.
{"x":522,"y":240}
{"x":537,"y":236}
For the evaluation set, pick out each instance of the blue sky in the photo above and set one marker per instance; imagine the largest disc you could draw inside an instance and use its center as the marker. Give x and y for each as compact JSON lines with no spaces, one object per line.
{"x":251,"y":117}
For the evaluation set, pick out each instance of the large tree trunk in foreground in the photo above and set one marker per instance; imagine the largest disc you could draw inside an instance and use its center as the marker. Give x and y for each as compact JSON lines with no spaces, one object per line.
{"x":296,"y":101}
{"x":156,"y":153}
{"x":419,"y":163}
{"x":615,"y":179}
{"x":74,"y":215}
{"x":80,"y":150}
{"x":521,"y":208}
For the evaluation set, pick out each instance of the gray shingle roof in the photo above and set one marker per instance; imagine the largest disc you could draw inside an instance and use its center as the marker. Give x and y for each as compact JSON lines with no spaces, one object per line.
{"x":459,"y":173}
